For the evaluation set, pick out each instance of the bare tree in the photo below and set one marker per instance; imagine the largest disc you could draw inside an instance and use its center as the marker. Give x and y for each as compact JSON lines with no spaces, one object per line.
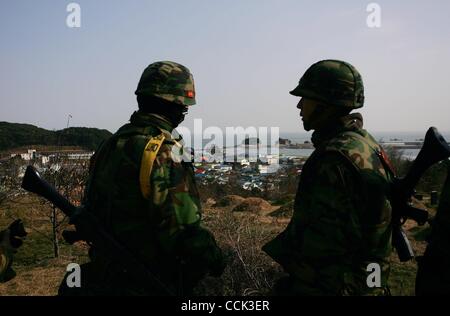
{"x":9,"y":179}
{"x":68,"y":177}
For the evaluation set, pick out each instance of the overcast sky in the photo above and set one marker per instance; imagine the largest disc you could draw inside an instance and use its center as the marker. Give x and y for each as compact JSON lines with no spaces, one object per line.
{"x":246,"y":55}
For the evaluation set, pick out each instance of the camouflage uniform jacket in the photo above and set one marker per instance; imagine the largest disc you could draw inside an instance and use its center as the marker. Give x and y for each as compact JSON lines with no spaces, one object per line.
{"x":6,"y":273}
{"x":162,"y":229}
{"x":342,"y":216}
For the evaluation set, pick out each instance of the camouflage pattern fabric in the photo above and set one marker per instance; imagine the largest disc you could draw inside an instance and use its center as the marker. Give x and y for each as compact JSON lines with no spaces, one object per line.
{"x":341,"y":220}
{"x":4,"y":263}
{"x":168,"y":80}
{"x":6,"y":254}
{"x":333,"y":82}
{"x":163,"y":231}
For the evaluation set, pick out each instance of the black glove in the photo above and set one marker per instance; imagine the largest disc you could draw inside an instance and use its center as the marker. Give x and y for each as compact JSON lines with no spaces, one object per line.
{"x":16,"y":233}
{"x":10,"y":240}
{"x":198,"y":249}
{"x":71,"y":236}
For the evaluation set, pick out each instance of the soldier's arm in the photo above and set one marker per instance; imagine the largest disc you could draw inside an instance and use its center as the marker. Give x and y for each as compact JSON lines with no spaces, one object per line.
{"x":339,"y":233}
{"x":181,"y":233}
{"x":4,"y":263}
{"x":10,"y":239}
{"x":331,"y":210}
{"x":6,"y":253}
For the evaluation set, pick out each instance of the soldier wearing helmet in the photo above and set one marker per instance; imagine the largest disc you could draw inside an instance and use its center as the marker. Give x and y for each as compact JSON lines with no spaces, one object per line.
{"x":147,"y":198}
{"x":342,"y":214}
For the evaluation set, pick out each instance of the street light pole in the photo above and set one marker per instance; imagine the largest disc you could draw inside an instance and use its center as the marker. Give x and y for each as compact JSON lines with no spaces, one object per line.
{"x":68,"y":119}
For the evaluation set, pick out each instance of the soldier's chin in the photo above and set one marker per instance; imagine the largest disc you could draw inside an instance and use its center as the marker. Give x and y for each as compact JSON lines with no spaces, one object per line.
{"x":306,"y":126}
{"x":180,"y":119}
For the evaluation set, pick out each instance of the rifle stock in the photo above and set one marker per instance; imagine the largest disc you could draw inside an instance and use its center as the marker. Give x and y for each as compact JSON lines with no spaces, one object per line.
{"x":90,"y":229}
{"x":433,"y":277}
{"x":434,"y":149}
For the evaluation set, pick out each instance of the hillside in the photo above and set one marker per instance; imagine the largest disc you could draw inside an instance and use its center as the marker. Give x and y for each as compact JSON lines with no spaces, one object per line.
{"x":13,"y":135}
{"x":239,"y":232}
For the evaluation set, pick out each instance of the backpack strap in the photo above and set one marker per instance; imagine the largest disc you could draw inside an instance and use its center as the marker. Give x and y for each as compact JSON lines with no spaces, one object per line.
{"x":148,"y":158}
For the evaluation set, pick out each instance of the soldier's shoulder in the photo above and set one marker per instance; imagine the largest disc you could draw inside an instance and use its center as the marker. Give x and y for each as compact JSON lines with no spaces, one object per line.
{"x":358,"y":147}
{"x":331,"y":164}
{"x":172,"y":148}
{"x":352,"y":140}
{"x":137,"y":140}
{"x":129,"y":140}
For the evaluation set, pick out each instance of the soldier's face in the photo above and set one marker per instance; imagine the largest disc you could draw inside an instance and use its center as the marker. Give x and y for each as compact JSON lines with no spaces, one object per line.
{"x":180,"y":113}
{"x":184,"y":112}
{"x":307,"y":108}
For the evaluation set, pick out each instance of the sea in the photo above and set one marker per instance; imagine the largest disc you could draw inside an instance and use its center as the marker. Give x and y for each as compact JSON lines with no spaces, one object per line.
{"x":379,"y":136}
{"x":301,"y":137}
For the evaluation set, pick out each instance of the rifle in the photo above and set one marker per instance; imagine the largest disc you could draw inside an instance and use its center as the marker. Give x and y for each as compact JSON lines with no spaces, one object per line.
{"x":91,"y":230}
{"x":435,"y":148}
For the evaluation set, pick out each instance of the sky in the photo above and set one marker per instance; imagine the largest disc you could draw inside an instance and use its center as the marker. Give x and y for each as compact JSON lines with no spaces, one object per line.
{"x":245,"y":55}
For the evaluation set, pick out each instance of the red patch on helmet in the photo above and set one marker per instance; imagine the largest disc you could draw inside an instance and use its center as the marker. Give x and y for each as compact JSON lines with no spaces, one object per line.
{"x":190,"y":94}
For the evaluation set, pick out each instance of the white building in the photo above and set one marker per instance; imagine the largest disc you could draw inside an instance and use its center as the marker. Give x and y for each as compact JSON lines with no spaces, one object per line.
{"x":224,"y":168}
{"x":272,"y":159}
{"x":45,"y":159}
{"x":29,"y":155}
{"x":245,"y":162}
{"x":268,"y":169}
{"x":80,"y":156}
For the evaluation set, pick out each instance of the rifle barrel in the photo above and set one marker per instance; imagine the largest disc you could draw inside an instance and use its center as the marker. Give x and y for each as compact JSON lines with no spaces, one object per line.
{"x":33,"y":182}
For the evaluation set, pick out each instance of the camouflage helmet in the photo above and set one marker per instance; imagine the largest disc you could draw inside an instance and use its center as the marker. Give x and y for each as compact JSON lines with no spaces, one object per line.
{"x":333,"y":82}
{"x":167,"y":80}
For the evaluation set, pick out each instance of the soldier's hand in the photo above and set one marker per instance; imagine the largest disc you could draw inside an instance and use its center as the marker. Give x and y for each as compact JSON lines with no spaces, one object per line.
{"x":12,"y":237}
{"x":5,"y":244}
{"x":223,"y":257}
{"x":71,"y":236}
{"x":10,"y":240}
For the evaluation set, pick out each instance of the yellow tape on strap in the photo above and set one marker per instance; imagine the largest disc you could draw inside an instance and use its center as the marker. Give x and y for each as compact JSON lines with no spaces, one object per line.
{"x":148,"y":157}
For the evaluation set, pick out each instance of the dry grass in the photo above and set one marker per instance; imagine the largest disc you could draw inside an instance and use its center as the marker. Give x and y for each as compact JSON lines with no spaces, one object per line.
{"x":249,"y":271}
{"x":38,"y":273}
{"x":36,"y":281}
{"x":240,"y":234}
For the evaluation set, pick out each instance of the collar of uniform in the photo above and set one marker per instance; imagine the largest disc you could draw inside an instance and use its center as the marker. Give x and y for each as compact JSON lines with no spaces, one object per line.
{"x":351,"y":122}
{"x":139,"y":118}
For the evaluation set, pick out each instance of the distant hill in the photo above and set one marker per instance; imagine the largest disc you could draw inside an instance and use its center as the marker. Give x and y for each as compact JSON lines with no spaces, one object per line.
{"x":14,"y":135}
